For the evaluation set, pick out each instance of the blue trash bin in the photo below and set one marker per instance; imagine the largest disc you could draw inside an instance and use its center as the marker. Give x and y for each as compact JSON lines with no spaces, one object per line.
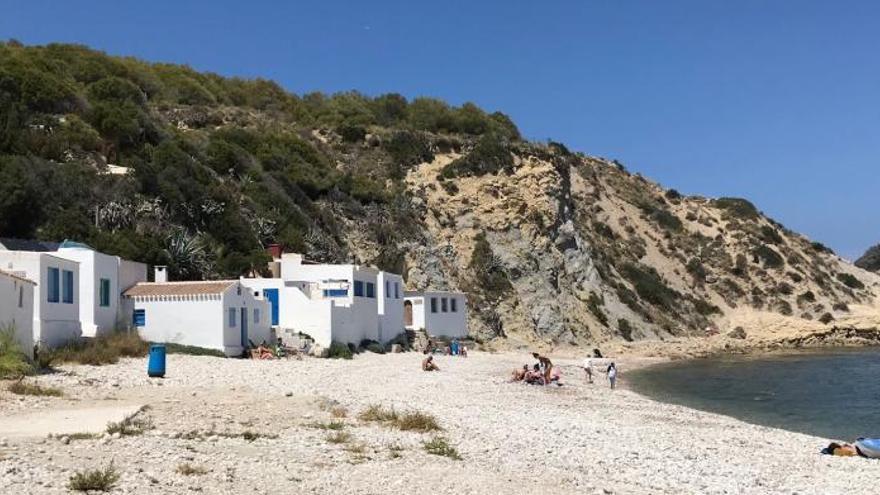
{"x":156,"y":365}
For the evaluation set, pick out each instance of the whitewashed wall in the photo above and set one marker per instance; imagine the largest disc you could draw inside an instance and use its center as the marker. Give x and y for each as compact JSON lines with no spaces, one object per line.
{"x":187,"y":320}
{"x":441,"y":324}
{"x":390,"y":307}
{"x":55,"y":324}
{"x":21,"y":317}
{"x":258,"y":331}
{"x":93,"y":266}
{"x":129,"y":274}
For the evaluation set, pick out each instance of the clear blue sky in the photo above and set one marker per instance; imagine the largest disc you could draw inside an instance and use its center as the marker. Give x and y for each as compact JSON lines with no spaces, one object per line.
{"x":778,"y":102}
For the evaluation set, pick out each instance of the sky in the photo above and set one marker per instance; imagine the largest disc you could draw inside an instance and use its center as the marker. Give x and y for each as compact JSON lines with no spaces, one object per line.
{"x":777,"y":102}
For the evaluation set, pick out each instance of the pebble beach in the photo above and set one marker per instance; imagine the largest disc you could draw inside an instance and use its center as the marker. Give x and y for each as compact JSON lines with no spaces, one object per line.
{"x":250,"y":426}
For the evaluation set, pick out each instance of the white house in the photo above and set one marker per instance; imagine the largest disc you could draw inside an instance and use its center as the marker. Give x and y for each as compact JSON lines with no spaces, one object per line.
{"x":56,"y":302}
{"x":17,"y":309}
{"x":103,"y":278}
{"x":345,"y":303}
{"x":440,"y":313}
{"x":222,"y":315}
{"x":390,"y":305}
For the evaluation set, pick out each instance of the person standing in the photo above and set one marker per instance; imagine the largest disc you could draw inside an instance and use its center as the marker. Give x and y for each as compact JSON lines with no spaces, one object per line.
{"x":612,"y":374}
{"x":588,"y":369}
{"x":546,"y":365}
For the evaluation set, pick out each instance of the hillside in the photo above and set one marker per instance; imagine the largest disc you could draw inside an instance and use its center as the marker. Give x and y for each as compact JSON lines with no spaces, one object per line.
{"x":870,"y":260}
{"x":163,"y":164}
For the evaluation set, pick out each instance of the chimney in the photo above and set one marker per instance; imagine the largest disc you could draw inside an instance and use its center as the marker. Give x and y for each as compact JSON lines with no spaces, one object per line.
{"x":160,"y":273}
{"x":275,"y":251}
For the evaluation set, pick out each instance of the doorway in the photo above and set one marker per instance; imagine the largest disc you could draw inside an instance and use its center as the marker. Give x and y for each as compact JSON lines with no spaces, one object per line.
{"x":407,"y":314}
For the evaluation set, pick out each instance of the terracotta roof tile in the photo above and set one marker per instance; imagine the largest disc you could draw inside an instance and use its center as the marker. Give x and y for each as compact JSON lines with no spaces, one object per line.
{"x":179,"y":288}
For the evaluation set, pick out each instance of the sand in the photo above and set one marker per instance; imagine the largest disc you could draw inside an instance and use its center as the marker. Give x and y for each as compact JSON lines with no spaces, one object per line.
{"x":512,"y":438}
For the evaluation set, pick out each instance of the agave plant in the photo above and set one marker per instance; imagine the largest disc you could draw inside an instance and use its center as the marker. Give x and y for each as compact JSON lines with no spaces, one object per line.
{"x":187,"y":255}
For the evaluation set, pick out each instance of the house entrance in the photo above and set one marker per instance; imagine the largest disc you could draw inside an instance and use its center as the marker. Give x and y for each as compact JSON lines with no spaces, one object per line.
{"x":407,"y":313}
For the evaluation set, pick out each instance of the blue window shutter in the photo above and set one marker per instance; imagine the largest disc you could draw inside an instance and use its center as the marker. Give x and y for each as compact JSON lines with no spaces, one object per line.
{"x":139,"y":319}
{"x":67,"y":292}
{"x":53,"y":289}
{"x":358,"y":288}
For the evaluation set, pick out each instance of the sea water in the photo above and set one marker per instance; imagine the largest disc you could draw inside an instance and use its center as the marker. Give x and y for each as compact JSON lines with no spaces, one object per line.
{"x":832,"y":394}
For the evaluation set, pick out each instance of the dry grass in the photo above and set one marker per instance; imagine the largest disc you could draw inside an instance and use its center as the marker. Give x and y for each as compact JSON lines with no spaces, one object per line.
{"x":131,"y":426}
{"x":23,"y":388}
{"x":106,"y":349}
{"x":339,"y":412}
{"x":356,"y":448}
{"x":99,"y":480}
{"x":13,"y":362}
{"x":339,"y":437}
{"x":188,"y":469}
{"x":439,"y":446}
{"x":333,"y":425}
{"x":408,"y":421}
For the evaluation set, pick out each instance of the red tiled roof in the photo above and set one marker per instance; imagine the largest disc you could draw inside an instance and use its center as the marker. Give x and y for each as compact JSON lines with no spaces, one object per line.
{"x":179,"y":288}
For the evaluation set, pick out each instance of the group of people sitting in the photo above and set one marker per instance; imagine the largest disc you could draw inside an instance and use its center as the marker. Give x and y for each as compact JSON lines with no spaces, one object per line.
{"x":541,"y":373}
{"x":455,"y":348}
{"x":267,"y":351}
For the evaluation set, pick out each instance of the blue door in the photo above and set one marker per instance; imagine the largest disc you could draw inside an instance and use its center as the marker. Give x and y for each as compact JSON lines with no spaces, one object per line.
{"x":271,"y":295}
{"x":244,"y":327}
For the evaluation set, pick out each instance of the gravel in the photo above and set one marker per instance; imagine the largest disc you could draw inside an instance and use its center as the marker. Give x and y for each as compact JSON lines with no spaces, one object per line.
{"x":253,"y":426}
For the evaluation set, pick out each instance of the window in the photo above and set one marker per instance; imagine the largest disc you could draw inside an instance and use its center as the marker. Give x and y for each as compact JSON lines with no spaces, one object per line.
{"x":139,"y":319}
{"x":20,"y":296}
{"x":387,"y":289}
{"x":433,"y":304}
{"x":371,"y":289}
{"x":105,"y":292}
{"x":67,"y":289}
{"x":256,"y":315}
{"x":453,"y":304}
{"x":232,"y":317}
{"x":358,"y":288}
{"x":444,"y":306}
{"x":396,"y":290}
{"x":53,"y":286}
{"x":335,"y":292}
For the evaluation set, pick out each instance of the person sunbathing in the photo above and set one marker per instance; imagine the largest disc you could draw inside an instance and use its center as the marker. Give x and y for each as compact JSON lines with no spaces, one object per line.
{"x":545,"y":363}
{"x":860,"y":448}
{"x":264,"y":352}
{"x":520,"y":374}
{"x":535,"y":377}
{"x":429,"y":365}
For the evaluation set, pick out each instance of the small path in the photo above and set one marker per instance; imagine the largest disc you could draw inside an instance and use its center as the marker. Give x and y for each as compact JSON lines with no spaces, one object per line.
{"x":92,"y":419}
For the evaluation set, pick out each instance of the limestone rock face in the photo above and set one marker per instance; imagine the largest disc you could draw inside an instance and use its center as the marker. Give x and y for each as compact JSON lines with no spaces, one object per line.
{"x":571,"y":249}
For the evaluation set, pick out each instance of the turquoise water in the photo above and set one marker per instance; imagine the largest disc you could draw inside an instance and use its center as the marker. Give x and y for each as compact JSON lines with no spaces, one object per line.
{"x":833,"y":394}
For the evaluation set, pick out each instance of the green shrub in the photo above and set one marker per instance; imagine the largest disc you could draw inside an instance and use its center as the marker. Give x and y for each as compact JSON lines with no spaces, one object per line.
{"x":594,"y":304}
{"x":768,"y":256}
{"x":488,"y":272}
{"x":372,"y":346}
{"x":408,"y":148}
{"x":649,"y":286}
{"x":826,"y":318}
{"x":351,"y":133}
{"x":99,"y":480}
{"x":625,"y":329}
{"x":770,"y":235}
{"x":13,"y":362}
{"x":821,"y":248}
{"x":490,"y":155}
{"x":672,"y":195}
{"x":339,"y":350}
{"x":850,"y":281}
{"x":737,"y":208}
{"x":416,"y":421}
{"x":705,"y":308}
{"x":439,"y":446}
